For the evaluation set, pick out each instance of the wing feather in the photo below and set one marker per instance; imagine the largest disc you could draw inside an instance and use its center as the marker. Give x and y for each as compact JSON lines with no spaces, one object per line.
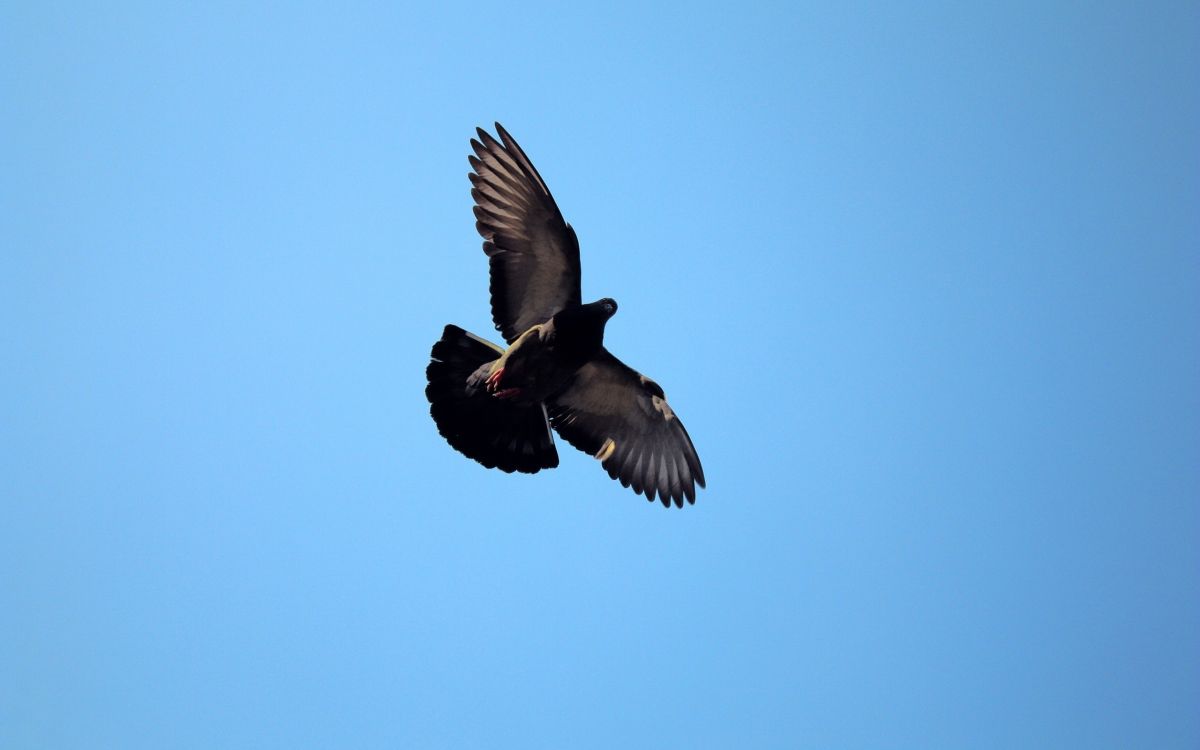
{"x":533,"y":253}
{"x":607,"y":400}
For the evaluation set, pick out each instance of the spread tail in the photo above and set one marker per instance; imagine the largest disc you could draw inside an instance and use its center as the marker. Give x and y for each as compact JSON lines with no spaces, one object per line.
{"x":497,"y":433}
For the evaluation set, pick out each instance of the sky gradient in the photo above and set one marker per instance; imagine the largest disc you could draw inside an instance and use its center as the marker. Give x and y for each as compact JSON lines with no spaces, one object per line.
{"x":922,"y":283}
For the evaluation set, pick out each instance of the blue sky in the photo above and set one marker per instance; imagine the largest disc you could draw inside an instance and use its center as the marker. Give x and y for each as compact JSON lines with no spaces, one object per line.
{"x":923,"y":284}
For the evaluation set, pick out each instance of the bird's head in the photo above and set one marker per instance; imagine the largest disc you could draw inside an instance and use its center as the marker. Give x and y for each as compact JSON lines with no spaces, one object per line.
{"x":583,"y":326}
{"x":606,"y":307}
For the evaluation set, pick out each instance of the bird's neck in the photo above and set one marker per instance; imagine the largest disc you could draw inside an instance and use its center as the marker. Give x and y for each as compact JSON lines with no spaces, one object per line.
{"x":577,"y":336}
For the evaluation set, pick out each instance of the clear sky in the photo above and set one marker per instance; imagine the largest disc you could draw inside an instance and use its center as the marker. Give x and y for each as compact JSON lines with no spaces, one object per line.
{"x":923,"y":283}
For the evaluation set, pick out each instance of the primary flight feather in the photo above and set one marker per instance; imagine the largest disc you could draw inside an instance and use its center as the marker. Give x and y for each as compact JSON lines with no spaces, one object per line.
{"x":497,"y":405}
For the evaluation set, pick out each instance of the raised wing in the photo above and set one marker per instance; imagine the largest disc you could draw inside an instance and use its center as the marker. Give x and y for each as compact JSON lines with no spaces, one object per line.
{"x":533,"y":253}
{"x":622,"y":418}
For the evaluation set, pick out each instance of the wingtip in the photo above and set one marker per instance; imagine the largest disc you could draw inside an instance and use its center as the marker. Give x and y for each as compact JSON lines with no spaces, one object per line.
{"x":489,"y":140}
{"x":510,"y":143}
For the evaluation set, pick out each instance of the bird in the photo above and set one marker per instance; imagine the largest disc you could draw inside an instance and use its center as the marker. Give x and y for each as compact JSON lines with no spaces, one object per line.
{"x":498,"y":404}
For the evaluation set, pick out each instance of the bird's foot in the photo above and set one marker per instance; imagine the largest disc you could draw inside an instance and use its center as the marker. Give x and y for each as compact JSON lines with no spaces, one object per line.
{"x":493,"y":380}
{"x":508,"y":393}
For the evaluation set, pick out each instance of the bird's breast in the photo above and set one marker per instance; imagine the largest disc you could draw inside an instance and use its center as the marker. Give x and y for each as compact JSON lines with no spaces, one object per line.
{"x":538,"y":368}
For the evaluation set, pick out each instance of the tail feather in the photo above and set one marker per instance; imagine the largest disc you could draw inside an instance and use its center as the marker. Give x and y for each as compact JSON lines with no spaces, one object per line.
{"x":497,"y":433}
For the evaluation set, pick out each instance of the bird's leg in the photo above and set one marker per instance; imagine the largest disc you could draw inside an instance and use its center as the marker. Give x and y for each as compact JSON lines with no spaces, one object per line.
{"x":520,"y":349}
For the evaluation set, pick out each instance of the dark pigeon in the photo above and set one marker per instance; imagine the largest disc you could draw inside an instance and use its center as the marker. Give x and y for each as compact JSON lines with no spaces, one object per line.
{"x":497,"y":405}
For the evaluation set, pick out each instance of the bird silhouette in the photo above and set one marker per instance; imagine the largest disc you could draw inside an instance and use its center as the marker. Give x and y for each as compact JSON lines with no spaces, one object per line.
{"x":497,"y":405}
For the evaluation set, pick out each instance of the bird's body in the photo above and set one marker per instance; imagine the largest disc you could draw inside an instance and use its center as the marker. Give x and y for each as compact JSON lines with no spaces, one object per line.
{"x":497,"y":405}
{"x":543,"y":359}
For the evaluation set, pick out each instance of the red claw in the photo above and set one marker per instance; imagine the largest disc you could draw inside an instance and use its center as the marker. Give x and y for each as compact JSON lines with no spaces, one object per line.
{"x":508,"y":393}
{"x":493,"y":381}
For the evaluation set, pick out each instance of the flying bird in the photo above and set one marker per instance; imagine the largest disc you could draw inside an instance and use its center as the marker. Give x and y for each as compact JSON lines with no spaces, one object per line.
{"x":496,"y":405}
